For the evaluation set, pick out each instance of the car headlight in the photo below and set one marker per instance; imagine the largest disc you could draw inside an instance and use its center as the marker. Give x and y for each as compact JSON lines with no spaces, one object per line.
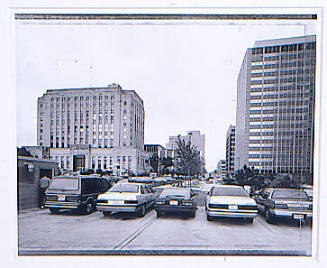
{"x":72,"y":198}
{"x":160,"y":202}
{"x":102,"y":201}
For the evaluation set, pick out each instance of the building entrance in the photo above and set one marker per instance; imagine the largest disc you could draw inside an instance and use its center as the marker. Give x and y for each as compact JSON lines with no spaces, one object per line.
{"x":78,"y":162}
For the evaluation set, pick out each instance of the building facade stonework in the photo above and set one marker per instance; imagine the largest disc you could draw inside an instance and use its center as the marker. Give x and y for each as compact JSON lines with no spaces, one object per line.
{"x":93,"y":128}
{"x":275,"y":106}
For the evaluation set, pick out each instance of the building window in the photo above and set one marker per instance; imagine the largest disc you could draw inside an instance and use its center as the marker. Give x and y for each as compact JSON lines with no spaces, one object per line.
{"x":93,"y":162}
{"x":99,"y":163}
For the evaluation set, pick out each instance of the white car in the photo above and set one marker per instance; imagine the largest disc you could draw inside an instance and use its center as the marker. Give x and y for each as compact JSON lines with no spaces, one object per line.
{"x":230,"y":201}
{"x":126,"y":197}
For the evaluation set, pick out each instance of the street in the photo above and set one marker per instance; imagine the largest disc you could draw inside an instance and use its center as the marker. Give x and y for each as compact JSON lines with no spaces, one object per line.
{"x":41,"y":232}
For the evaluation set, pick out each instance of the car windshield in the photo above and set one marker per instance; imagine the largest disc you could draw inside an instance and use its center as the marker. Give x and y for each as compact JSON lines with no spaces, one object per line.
{"x":289,"y":194}
{"x":126,"y":188}
{"x":228,"y":191}
{"x":64,"y":184}
{"x":175,"y":193}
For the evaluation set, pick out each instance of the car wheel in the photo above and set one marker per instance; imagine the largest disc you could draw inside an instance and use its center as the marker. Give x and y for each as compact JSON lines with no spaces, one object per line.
{"x":269,"y":218}
{"x":106,"y":213}
{"x":209,"y":218}
{"x":248,"y":220}
{"x":88,"y":208}
{"x":54,"y":210}
{"x":142,"y":211}
{"x":159,"y":214}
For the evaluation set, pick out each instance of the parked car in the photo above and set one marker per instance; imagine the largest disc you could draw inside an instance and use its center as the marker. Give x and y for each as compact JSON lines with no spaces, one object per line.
{"x":75,"y":192}
{"x":230,"y":201}
{"x":277,"y":203}
{"x":126,"y":197}
{"x":308,"y":190}
{"x":175,"y":200}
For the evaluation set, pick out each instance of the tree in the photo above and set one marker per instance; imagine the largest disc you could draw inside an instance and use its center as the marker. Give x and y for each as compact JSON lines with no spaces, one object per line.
{"x":187,"y":159}
{"x":23,"y":152}
{"x":154,"y":162}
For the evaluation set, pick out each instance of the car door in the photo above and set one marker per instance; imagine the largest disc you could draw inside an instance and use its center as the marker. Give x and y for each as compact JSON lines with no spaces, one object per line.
{"x":152,"y":195}
{"x":144,"y":196}
{"x":261,"y":200}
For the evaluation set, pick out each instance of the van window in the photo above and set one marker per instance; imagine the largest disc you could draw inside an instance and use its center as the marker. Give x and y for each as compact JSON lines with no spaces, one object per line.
{"x":64,"y":184}
{"x":88,"y":186}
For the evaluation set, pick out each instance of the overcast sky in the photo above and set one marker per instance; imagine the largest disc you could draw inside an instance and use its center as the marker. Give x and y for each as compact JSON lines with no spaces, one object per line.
{"x":186,"y":73}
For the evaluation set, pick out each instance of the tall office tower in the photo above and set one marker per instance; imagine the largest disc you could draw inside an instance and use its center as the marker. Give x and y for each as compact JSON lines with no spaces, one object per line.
{"x":230,"y":150}
{"x":275,"y":106}
{"x":221,"y":169}
{"x":194,"y":137}
{"x":91,"y":128}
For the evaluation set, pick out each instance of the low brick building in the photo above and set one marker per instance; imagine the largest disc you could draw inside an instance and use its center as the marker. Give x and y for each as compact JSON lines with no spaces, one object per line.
{"x":29,"y":172}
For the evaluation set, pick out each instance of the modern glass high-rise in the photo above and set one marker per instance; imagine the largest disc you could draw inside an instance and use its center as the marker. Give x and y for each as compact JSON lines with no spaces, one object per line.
{"x":230,"y":149}
{"x":275,"y":106}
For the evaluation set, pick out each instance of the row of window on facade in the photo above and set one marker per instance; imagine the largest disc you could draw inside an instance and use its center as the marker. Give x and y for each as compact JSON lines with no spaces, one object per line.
{"x":284,"y":56}
{"x":283,"y":48}
{"x":103,"y":162}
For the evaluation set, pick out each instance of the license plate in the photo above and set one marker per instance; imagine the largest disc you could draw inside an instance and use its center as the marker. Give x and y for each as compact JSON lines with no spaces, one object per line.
{"x":115,"y":202}
{"x":173,"y":203}
{"x":232,"y":207}
{"x":298,"y":216}
{"x":61,"y":198}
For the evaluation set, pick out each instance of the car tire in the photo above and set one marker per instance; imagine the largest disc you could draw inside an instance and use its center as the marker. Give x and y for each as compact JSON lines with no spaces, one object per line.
{"x":142,"y":211}
{"x":106,"y":213}
{"x":249,"y":220}
{"x":54,"y":210}
{"x":209,"y":218}
{"x":88,"y":208}
{"x":159,"y":214}
{"x":269,"y":217}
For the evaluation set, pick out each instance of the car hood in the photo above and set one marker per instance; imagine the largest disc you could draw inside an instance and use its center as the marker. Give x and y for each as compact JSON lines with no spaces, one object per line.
{"x":118,"y":196}
{"x":233,"y":200}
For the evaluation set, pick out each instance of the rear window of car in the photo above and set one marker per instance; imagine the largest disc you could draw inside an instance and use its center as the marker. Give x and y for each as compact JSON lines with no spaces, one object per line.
{"x":175,"y":193}
{"x":225,"y":191}
{"x":289,"y":194}
{"x":125,"y":188}
{"x":64,"y":184}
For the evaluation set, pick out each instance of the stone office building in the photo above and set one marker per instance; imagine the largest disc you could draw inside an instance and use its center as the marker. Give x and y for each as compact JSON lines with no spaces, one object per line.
{"x":93,"y":128}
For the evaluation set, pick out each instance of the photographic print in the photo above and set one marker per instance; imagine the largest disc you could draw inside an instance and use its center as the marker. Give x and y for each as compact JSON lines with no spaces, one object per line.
{"x":166,"y":133}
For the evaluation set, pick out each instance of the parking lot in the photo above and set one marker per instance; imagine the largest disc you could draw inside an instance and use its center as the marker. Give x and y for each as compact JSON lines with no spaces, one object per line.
{"x":41,"y":232}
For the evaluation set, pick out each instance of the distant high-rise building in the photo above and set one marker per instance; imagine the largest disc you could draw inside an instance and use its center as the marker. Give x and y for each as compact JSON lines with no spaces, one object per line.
{"x":230,"y":150}
{"x":194,"y":137}
{"x":275,"y":106}
{"x":221,"y":169}
{"x":93,"y":128}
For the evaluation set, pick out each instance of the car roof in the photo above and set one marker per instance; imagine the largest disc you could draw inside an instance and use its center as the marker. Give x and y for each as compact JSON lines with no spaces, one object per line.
{"x":78,"y":177}
{"x":227,"y":186}
{"x":282,"y":189}
{"x":132,"y":183}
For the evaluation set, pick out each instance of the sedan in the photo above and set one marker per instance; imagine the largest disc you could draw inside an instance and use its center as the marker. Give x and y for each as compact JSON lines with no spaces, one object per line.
{"x":230,"y":201}
{"x":126,"y":197}
{"x":175,"y":200}
{"x":277,"y":203}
